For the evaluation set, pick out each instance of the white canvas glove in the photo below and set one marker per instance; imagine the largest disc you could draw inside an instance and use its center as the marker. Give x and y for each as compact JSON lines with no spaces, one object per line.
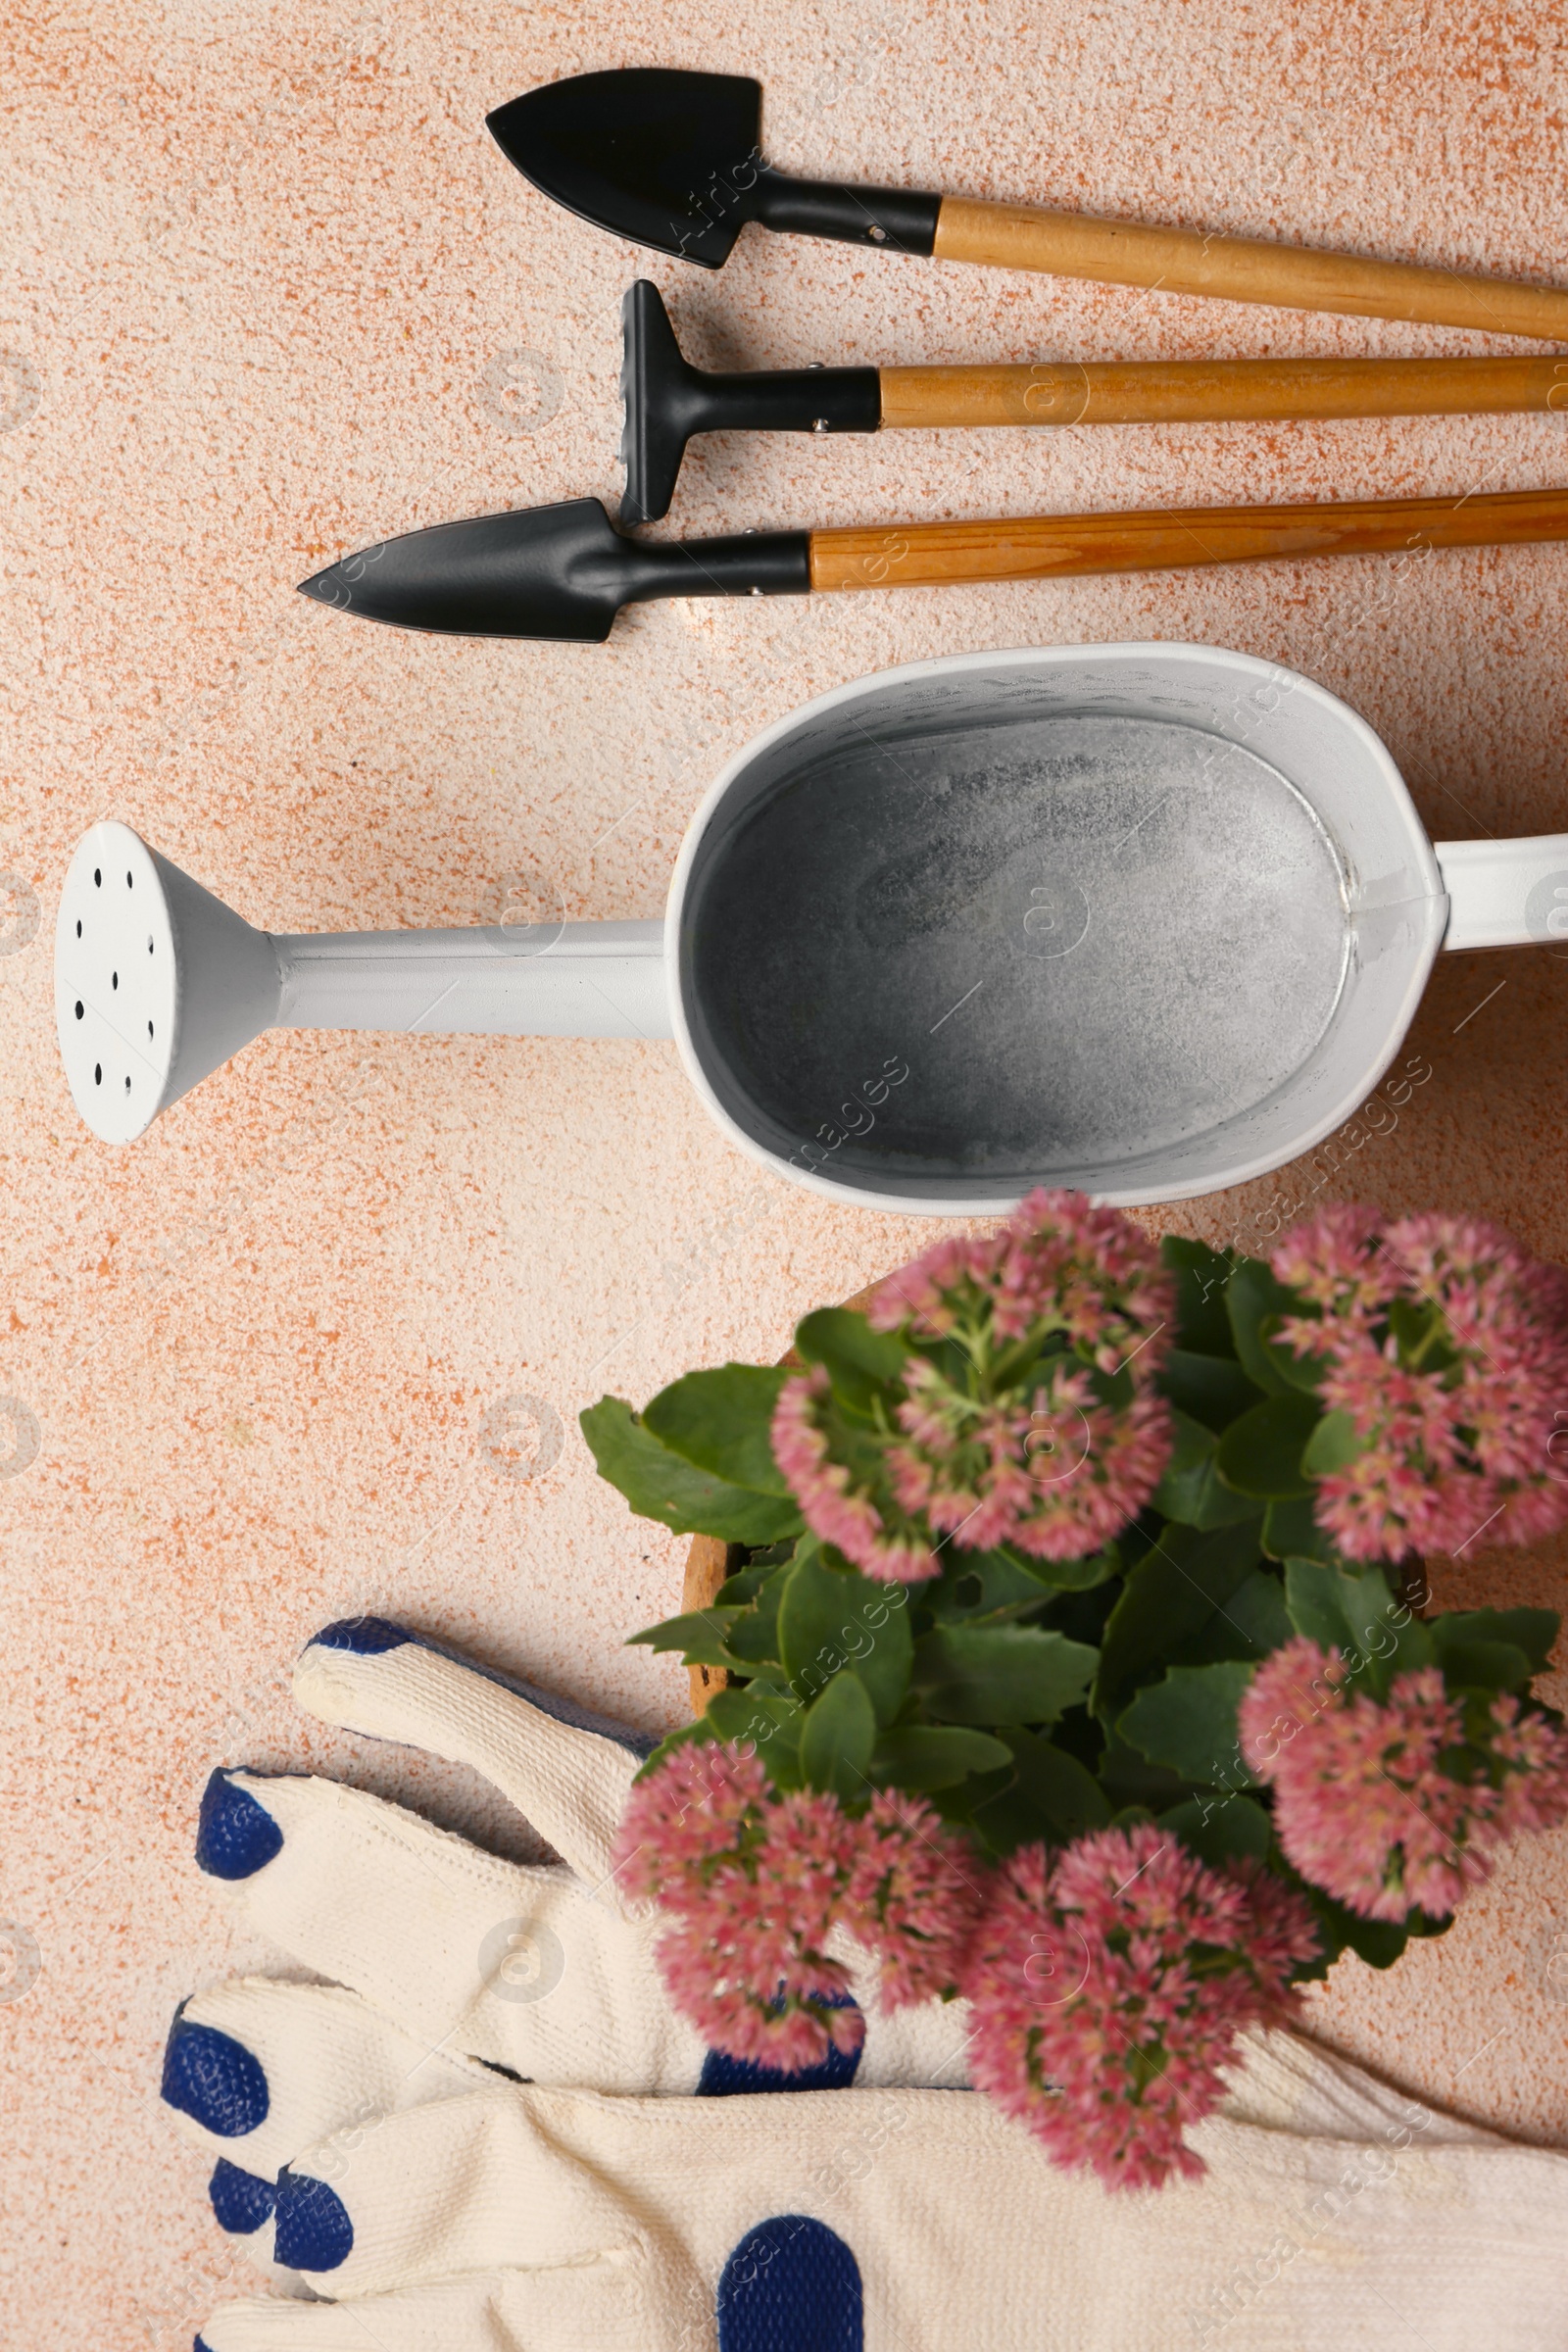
{"x":1335,"y":2218}
{"x":445,"y":1962}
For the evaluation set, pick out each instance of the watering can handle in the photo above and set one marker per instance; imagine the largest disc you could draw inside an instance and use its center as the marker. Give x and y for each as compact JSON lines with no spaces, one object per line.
{"x":540,"y":980}
{"x":1504,"y":894}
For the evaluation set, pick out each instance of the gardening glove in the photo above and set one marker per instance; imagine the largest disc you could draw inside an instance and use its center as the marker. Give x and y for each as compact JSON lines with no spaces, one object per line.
{"x":445,"y":1963}
{"x":1334,"y":2217}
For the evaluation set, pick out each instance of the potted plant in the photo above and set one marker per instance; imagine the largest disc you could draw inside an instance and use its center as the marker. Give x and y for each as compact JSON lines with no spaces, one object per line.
{"x":1071,"y":1657}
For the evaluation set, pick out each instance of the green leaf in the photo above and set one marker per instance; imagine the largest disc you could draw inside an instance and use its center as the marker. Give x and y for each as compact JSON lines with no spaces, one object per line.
{"x":1188,"y":1722}
{"x":922,"y":1756}
{"x":830,"y":1618}
{"x":754,"y":1635}
{"x":983,"y":1584}
{"x":1480,"y":1665}
{"x":1332,"y":1444}
{"x":1192,"y":1448}
{"x":739,"y":1590}
{"x":764,"y":1720}
{"x":1353,"y":1611}
{"x":1261,"y":1453}
{"x":1166,"y":1603}
{"x":1210,"y":1388}
{"x":663,"y":1486}
{"x":1001,"y":1673}
{"x":837,"y":1737}
{"x":1252,"y":1297}
{"x":1129,"y":1780}
{"x":1219,"y":1505}
{"x":1191,"y":1491}
{"x":861,"y":1363}
{"x":1291,"y":1531}
{"x":1534,"y":1630}
{"x":1202,"y":1277}
{"x":1377,"y":1941}
{"x":685,"y":1734}
{"x":1253,"y":1622}
{"x":1256,"y":1618}
{"x":1081,"y":1574}
{"x":1221,"y":1830}
{"x":1057,"y":1785}
{"x":701,"y":1636}
{"x":1047,"y":1795}
{"x":721,"y":1420}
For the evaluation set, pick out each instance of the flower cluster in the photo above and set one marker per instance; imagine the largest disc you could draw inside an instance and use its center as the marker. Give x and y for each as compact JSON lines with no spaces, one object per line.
{"x":1398,"y":1803}
{"x":752,"y":1883}
{"x":1057,"y":1264}
{"x":1446,"y":1345}
{"x":846,"y":1502}
{"x":1108,"y":1986}
{"x":1002,"y":1435}
{"x":1053,"y":1470}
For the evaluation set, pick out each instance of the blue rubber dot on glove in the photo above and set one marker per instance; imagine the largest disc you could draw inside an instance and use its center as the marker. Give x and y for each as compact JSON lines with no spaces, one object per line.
{"x":722,"y":2077}
{"x":234,"y":1835}
{"x":791,"y":2286}
{"x":364,"y":1637}
{"x":314,"y":2230}
{"x":214,"y":2078}
{"x":242,"y":2202}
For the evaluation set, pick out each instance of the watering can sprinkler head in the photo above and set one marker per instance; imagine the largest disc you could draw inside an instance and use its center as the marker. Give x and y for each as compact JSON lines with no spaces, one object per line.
{"x":157,"y":982}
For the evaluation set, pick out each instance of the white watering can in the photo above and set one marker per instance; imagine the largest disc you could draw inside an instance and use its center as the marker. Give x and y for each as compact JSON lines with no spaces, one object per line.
{"x":1145,"y":919}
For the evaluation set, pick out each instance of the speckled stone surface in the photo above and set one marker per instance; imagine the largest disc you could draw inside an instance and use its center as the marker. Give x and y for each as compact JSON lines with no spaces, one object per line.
{"x":318,"y":1343}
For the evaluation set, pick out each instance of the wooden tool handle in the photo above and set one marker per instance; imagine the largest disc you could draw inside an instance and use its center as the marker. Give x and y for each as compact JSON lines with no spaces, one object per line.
{"x":920,"y":555}
{"x":1187,"y":261}
{"x":1180,"y":391}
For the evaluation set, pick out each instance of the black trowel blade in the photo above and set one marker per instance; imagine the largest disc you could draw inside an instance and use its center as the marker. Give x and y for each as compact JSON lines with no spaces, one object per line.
{"x":666,"y":159}
{"x":559,"y":571}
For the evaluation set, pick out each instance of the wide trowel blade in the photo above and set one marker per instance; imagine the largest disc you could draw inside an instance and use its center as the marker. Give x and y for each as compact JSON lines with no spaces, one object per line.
{"x":560,"y":571}
{"x":666,"y":159}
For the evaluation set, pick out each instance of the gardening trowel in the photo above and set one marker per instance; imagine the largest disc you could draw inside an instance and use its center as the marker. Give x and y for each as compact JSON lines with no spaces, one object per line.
{"x":675,"y":161}
{"x":564,"y":572}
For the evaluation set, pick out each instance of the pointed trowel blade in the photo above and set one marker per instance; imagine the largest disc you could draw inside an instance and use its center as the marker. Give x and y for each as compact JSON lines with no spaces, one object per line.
{"x":561,"y":571}
{"x":669,"y":160}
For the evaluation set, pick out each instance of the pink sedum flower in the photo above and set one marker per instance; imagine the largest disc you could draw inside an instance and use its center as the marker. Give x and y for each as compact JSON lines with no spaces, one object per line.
{"x":1457,"y":1435}
{"x":748,"y":1881}
{"x":882,"y":1541}
{"x":1015,"y":1447}
{"x":1107,"y":1988}
{"x":1055,"y":1472}
{"x":1088,"y":1272}
{"x":751,"y":1884}
{"x":1366,"y":1802}
{"x":912,"y":1895}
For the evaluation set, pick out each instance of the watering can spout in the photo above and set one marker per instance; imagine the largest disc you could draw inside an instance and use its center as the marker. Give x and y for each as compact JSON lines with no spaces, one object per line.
{"x":158,"y":983}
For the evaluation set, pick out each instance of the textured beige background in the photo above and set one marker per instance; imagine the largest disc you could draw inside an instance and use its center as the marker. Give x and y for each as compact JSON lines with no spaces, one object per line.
{"x":271,"y":293}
